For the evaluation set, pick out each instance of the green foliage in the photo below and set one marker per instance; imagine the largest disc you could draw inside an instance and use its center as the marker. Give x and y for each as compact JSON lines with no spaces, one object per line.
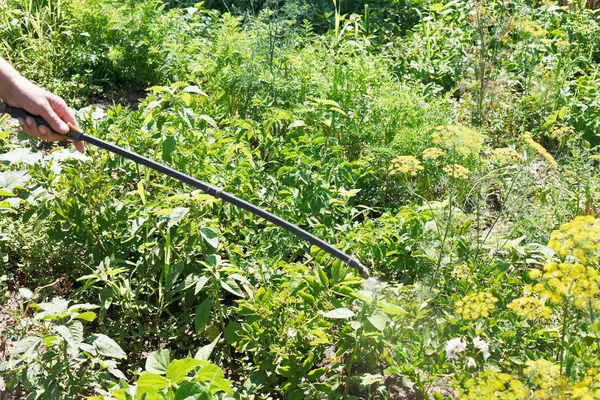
{"x":439,"y":143}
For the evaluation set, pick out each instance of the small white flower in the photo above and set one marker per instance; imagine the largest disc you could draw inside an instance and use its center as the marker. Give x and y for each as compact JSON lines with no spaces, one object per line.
{"x":455,"y":346}
{"x":291,"y":333}
{"x":483,"y":346}
{"x":471,"y":363}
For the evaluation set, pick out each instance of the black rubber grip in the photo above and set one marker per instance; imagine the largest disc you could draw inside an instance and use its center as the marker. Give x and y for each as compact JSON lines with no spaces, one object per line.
{"x":17,"y":113}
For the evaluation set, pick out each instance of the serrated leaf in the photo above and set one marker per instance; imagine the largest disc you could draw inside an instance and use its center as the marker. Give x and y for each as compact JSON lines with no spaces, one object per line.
{"x":21,"y":155}
{"x":10,"y":180}
{"x":158,"y":361}
{"x":107,"y":347}
{"x":340,"y":313}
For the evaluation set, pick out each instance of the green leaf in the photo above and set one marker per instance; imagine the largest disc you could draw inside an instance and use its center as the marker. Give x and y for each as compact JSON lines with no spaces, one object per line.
{"x":215,"y":378}
{"x":192,"y":391}
{"x":10,"y":180}
{"x":202,"y":315}
{"x":107,"y":347}
{"x":379,"y":321}
{"x":205,"y":351}
{"x":340,"y":313}
{"x":151,"y":382}
{"x":21,"y":155}
{"x":391,"y":308}
{"x":175,"y":215}
{"x":72,"y":334}
{"x":211,"y":236}
{"x":231,"y":332}
{"x":178,"y":369}
{"x":158,"y":361}
{"x":322,"y":276}
{"x":23,"y":350}
{"x":209,"y":120}
{"x":232,"y":287}
{"x":168,"y":146}
{"x":88,"y":316}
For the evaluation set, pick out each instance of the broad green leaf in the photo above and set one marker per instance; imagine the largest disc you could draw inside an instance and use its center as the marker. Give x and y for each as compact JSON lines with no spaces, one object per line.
{"x":210,"y":121}
{"x":84,"y":306}
{"x":72,"y":334}
{"x":211,"y":236}
{"x":231,"y":332}
{"x":158,"y":361}
{"x":178,"y":369}
{"x":379,"y":321}
{"x":340,"y":313}
{"x":23,"y":350}
{"x":192,"y":391}
{"x":10,"y":180}
{"x":205,"y":351}
{"x":21,"y":155}
{"x":176,"y":215}
{"x":151,"y":382}
{"x":168,"y":146}
{"x":202,"y":315}
{"x":88,"y":316}
{"x":232,"y":287}
{"x":195,"y":90}
{"x":391,"y":308}
{"x":107,"y":347}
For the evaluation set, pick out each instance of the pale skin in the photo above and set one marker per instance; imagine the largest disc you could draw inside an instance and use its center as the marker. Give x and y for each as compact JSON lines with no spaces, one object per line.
{"x":17,"y":91}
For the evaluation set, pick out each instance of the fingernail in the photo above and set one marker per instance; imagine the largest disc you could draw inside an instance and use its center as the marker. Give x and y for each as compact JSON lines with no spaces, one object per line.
{"x":43,"y":130}
{"x":29,"y":121}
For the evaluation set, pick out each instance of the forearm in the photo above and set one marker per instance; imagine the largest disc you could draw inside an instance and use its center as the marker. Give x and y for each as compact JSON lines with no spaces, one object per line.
{"x":9,"y":78}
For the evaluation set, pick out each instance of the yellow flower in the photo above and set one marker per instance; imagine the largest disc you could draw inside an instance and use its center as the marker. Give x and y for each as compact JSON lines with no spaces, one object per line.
{"x":544,"y":374}
{"x":405,"y":165}
{"x":572,"y":283}
{"x":540,"y":150}
{"x":492,"y":384}
{"x":506,"y":155}
{"x":456,"y":171}
{"x":530,"y":308}
{"x":433,"y":153}
{"x":532,"y":29}
{"x":476,"y":305}
{"x":461,"y":272}
{"x":457,"y":138}
{"x":579,"y":238}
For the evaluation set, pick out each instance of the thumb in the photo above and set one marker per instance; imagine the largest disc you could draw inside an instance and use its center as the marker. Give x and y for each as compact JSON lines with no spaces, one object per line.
{"x":57,"y":124}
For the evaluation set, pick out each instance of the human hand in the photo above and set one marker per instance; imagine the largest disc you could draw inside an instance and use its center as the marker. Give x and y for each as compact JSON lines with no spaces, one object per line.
{"x":19,"y":92}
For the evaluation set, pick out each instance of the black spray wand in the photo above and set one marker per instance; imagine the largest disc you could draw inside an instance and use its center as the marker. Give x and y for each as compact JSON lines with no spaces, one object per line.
{"x":217,"y":192}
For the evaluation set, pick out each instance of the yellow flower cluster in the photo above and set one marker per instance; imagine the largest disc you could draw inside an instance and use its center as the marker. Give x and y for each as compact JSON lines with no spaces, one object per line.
{"x":544,"y":374}
{"x":589,"y":387}
{"x":405,"y":165}
{"x":461,"y":272}
{"x":541,"y":150}
{"x":456,"y":171}
{"x":573,"y":283}
{"x":476,"y":305}
{"x":460,"y":139}
{"x":579,"y":238}
{"x":492,"y":384}
{"x":433,"y":153}
{"x":530,"y":308}
{"x":506,"y":155}
{"x":532,"y":29}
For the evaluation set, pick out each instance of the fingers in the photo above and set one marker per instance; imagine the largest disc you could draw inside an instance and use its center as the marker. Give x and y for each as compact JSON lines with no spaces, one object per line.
{"x":30,"y":127}
{"x":48,"y":113}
